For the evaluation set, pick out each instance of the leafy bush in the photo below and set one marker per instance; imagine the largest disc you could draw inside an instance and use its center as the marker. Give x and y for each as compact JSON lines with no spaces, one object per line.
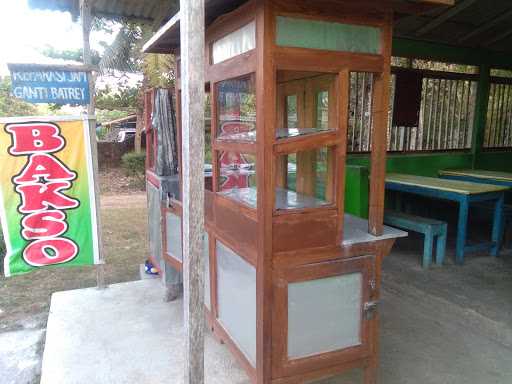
{"x":134,"y":164}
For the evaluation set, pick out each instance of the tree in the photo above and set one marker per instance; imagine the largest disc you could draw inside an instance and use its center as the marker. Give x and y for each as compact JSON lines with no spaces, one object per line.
{"x":125,"y":55}
{"x":11,"y":106}
{"x":69,"y":54}
{"x":124,"y":98}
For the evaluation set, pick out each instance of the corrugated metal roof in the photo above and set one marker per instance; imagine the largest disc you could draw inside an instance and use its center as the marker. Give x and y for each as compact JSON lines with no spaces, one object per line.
{"x":473,"y":24}
{"x":149,"y":10}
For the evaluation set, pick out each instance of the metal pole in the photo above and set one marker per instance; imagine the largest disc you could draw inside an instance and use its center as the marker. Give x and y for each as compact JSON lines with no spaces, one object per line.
{"x":86,"y":18}
{"x":192,"y":115}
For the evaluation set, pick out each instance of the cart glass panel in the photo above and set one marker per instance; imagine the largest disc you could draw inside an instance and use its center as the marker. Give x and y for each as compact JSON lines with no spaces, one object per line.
{"x":236,"y":109}
{"x":237,"y":178}
{"x":306,"y":103}
{"x":305,"y":179}
{"x":235,"y":43}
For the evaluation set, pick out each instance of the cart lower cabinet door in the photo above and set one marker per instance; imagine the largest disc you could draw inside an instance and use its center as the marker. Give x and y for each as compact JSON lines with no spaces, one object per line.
{"x":174,"y":237}
{"x":206,"y":266}
{"x":154,"y":229}
{"x":236,"y":292}
{"x":324,"y":315}
{"x":318,"y":319}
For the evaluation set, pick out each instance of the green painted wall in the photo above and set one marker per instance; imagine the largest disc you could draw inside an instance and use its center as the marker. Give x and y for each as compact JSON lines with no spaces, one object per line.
{"x":418,"y":164}
{"x":494,"y":161}
{"x":357,"y":190}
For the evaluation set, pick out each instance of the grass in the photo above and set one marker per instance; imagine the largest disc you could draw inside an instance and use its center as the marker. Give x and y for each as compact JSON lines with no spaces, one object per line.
{"x":25,"y":299}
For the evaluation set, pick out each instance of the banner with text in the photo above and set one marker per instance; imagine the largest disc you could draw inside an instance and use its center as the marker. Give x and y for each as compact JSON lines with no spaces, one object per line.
{"x":47,"y":200}
{"x":43,"y":84}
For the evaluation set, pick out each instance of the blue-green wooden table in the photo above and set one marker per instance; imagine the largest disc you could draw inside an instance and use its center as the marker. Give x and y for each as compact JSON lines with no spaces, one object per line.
{"x":464,"y":193}
{"x":478,"y":176}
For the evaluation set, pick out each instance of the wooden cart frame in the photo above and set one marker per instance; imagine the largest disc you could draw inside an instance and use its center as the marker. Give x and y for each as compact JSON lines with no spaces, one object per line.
{"x":300,"y":244}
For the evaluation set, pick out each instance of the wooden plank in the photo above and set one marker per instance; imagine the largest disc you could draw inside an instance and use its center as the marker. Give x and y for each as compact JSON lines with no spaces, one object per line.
{"x":462,"y":187}
{"x":497,"y":38}
{"x":440,"y":2}
{"x":486,"y":26}
{"x":153,"y":42}
{"x":237,"y":66}
{"x":302,"y":59}
{"x":192,"y":107}
{"x":445,"y":16}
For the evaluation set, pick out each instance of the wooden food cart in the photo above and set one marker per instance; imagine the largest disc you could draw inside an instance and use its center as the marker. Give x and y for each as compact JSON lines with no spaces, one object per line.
{"x":292,"y":282}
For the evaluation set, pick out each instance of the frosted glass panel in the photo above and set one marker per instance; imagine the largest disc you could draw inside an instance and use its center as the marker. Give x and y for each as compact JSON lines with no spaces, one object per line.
{"x":324,"y":315}
{"x":302,"y":33}
{"x":236,"y":283}
{"x":154,"y":215}
{"x":174,"y":248}
{"x":234,"y":44}
{"x":206,"y":258}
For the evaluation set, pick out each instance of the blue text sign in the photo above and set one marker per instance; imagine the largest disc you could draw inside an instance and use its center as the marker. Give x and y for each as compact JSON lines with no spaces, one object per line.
{"x":38,"y":84}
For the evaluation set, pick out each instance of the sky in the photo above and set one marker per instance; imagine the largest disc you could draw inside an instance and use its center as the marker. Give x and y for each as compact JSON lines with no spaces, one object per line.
{"x":24,"y":32}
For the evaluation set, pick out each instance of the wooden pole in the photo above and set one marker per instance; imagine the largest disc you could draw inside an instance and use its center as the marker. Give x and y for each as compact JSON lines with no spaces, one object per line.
{"x":192,"y":118}
{"x":86,"y":18}
{"x":482,"y":101}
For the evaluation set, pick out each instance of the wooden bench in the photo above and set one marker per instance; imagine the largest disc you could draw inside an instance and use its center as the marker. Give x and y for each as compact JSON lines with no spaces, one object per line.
{"x":429,"y":227}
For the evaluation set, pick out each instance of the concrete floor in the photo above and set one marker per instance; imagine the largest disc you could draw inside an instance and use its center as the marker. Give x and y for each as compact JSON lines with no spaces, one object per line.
{"x":448,"y":325}
{"x":20,"y":358}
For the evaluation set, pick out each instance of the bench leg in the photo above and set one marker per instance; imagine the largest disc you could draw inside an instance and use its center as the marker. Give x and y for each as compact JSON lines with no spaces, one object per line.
{"x":428,"y":248}
{"x":441,"y":245}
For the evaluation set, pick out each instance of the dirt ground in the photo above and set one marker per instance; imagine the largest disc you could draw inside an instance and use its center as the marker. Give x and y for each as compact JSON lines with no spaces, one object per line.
{"x":114,"y":181}
{"x":25,"y":300}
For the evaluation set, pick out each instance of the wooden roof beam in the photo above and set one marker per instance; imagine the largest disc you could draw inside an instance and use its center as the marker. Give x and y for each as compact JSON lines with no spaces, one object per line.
{"x":161,"y":12}
{"x":445,"y":16}
{"x":436,"y":2}
{"x":498,"y":38}
{"x":171,"y":24}
{"x":486,"y":26}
